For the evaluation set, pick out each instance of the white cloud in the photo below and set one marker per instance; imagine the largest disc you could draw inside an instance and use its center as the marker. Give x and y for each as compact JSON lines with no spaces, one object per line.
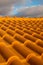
{"x":10,"y":2}
{"x":7,"y":5}
{"x":34,"y":11}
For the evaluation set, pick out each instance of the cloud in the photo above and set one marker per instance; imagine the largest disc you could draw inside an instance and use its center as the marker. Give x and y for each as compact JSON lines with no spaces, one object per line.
{"x":7,"y":5}
{"x":34,"y":11}
{"x":11,"y":2}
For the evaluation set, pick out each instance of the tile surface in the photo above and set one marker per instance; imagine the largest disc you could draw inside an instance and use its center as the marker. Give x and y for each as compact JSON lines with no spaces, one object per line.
{"x":21,"y":41}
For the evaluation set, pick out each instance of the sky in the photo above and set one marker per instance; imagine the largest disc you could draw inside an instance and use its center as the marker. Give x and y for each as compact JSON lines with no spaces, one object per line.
{"x":23,"y":8}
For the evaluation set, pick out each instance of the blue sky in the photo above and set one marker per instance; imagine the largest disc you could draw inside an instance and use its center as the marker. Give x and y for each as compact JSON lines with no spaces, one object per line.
{"x":21,"y":8}
{"x":27,"y":4}
{"x":32,"y":3}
